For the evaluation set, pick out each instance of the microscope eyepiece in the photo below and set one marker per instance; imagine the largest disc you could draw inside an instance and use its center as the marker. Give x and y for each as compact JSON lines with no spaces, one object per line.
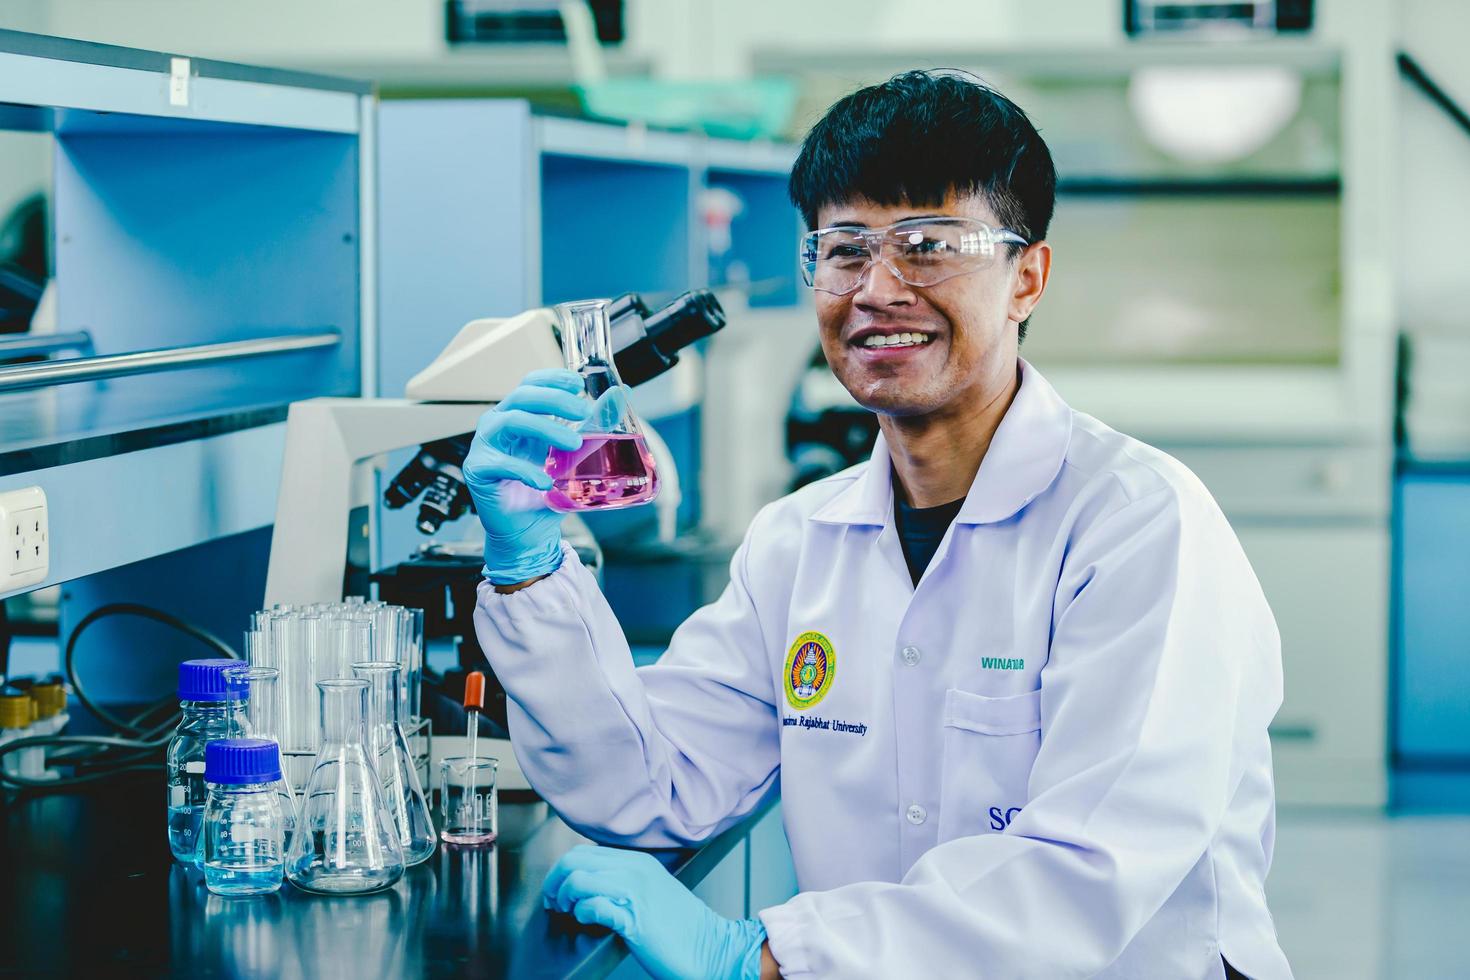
{"x":693,"y":316}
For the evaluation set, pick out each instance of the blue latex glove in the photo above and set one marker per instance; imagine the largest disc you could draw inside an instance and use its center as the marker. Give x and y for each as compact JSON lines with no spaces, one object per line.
{"x":505,"y":472}
{"x":673,"y":935}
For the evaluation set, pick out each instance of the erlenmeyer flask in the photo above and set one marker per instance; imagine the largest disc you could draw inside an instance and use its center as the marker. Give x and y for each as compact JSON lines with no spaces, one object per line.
{"x":402,"y":790}
{"x":613,"y":467}
{"x":346,"y":841}
{"x":263,"y":720}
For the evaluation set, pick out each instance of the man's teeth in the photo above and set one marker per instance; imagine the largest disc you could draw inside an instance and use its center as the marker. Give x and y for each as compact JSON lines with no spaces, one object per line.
{"x":895,"y":340}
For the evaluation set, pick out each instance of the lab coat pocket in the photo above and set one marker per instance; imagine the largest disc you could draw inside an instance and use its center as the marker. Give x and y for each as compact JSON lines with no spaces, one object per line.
{"x":990,"y":745}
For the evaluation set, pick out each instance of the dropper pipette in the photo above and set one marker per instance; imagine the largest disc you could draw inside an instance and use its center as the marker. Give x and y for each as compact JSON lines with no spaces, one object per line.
{"x":474,"y":703}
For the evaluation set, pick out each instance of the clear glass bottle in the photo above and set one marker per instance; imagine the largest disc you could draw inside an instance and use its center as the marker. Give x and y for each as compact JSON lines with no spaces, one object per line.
{"x":242,"y":846}
{"x":263,"y":716}
{"x":402,"y":789}
{"x":346,"y":841}
{"x":213,"y":707}
{"x":613,"y":467}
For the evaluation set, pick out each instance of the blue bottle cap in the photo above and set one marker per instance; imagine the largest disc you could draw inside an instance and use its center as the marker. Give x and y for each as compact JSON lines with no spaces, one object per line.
{"x":234,"y":761}
{"x":205,"y":680}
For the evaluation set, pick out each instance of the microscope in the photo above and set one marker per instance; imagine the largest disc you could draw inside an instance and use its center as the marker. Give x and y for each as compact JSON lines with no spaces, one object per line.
{"x":646,"y":344}
{"x":322,"y":541}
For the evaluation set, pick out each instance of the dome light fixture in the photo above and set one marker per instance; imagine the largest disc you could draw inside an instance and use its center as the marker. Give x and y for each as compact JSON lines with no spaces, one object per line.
{"x":1213,"y":115}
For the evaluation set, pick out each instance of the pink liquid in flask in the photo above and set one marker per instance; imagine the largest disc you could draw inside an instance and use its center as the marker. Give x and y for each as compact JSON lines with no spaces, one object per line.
{"x":607,"y":471}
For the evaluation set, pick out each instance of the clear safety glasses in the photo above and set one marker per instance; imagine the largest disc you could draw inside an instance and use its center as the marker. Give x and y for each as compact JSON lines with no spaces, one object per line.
{"x":919,"y":251}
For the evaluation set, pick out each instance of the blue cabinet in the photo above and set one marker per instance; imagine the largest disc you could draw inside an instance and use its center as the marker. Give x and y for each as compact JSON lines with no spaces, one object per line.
{"x":1432,"y":689}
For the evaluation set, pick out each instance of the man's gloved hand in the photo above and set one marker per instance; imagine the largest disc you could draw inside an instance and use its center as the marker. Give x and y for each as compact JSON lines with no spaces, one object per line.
{"x":673,"y":935}
{"x":505,"y":472}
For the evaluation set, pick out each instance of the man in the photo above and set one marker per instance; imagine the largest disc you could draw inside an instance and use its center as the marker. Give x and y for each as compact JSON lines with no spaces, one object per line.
{"x":1011,"y":678}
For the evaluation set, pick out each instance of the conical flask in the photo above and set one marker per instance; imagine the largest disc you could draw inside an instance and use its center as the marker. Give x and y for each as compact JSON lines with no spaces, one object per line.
{"x":263,"y":720}
{"x":345,"y":841}
{"x":388,"y":746}
{"x":613,"y":467}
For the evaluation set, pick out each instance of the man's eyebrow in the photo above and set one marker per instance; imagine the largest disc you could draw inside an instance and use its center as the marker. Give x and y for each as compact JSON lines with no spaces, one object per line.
{"x":853,"y":223}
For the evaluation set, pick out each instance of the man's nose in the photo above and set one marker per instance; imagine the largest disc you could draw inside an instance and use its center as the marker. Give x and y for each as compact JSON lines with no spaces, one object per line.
{"x":880,"y":288}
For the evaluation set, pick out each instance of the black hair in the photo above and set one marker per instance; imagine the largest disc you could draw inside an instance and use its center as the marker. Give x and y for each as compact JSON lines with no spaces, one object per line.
{"x":920,"y":135}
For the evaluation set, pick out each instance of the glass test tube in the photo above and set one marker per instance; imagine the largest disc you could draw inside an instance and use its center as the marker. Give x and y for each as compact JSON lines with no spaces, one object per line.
{"x":283,"y":657}
{"x":321,"y":641}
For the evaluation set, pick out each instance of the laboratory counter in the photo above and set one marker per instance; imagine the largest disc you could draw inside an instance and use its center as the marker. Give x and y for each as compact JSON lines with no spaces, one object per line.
{"x":91,"y":887}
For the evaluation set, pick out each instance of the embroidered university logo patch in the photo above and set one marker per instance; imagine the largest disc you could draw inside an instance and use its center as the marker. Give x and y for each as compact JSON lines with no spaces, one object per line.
{"x":811,"y":666}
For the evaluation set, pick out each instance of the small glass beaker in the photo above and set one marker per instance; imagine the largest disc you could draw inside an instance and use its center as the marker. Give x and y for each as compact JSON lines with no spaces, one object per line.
{"x":346,"y":841}
{"x":613,"y":467}
{"x":469,"y":811}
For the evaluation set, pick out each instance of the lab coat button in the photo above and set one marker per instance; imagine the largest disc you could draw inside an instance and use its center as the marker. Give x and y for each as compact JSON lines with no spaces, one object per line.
{"x":917,"y":814}
{"x":911,"y":655}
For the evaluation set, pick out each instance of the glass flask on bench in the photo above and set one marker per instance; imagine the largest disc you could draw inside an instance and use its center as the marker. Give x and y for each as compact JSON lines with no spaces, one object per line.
{"x":346,"y":841}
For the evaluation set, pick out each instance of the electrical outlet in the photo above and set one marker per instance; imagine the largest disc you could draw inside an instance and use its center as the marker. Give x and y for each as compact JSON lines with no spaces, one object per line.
{"x":25,"y":546}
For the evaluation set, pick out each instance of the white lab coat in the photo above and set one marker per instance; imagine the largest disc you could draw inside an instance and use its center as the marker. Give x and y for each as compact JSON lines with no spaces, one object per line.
{"x":1049,"y":759}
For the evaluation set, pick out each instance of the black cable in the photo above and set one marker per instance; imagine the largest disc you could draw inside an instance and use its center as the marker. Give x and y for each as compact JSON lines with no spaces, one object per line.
{"x":110,"y":755}
{"x":105,"y":743}
{"x":146,"y":612}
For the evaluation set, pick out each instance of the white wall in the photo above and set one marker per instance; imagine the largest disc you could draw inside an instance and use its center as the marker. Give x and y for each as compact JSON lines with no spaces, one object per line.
{"x":1434,"y":172}
{"x":24,"y":15}
{"x":264,"y":31}
{"x":681,"y":33}
{"x":267,"y":31}
{"x":686,"y":38}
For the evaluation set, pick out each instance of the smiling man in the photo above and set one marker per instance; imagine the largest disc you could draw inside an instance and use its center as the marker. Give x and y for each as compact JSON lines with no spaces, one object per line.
{"x":1011,"y":678}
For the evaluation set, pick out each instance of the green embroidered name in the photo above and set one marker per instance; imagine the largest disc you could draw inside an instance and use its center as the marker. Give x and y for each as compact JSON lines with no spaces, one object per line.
{"x":999,"y":663}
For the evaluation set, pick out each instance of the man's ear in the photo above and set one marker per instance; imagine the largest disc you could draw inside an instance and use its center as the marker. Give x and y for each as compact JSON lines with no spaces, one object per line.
{"x":1033,"y":269}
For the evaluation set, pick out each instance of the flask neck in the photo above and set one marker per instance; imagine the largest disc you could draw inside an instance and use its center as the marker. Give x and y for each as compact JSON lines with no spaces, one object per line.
{"x":343,"y":705}
{"x":383,"y":700}
{"x":587,"y":343}
{"x":383,"y":697}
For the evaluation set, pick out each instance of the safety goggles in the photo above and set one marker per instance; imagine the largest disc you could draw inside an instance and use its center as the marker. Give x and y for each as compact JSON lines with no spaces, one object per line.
{"x":918,"y":251}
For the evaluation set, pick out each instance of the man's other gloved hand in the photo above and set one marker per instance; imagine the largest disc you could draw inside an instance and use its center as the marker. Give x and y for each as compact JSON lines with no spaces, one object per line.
{"x":673,"y":934}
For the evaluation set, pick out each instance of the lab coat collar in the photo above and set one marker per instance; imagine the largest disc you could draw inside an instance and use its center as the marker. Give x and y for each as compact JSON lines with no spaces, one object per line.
{"x":1024,"y":457}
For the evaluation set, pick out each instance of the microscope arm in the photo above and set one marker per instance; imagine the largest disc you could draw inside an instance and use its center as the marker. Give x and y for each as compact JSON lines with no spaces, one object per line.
{"x":331,"y":444}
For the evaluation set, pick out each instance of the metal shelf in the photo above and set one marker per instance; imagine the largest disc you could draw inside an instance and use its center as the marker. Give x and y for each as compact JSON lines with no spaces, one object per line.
{"x":120,"y":508}
{"x":556,"y":136}
{"x":54,"y":76}
{"x":475,"y":70}
{"x":99,"y":367}
{"x":756,"y":157}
